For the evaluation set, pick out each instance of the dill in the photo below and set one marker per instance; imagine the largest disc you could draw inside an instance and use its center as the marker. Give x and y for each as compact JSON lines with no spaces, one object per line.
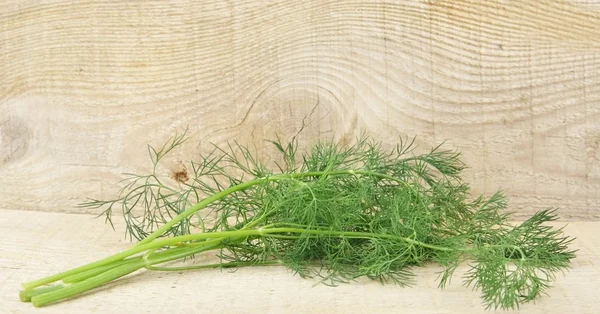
{"x":334,"y":212}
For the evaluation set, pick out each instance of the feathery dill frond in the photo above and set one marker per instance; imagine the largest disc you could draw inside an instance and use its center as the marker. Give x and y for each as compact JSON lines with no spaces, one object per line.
{"x":337,"y":212}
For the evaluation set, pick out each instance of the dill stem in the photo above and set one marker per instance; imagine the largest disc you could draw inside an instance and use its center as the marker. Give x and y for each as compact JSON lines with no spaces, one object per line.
{"x":139,"y":247}
{"x":156,"y":244}
{"x":114,"y":273}
{"x":26,"y":296}
{"x":217,"y":265}
{"x":119,"y":257}
{"x":111,"y":268}
{"x":98,"y":270}
{"x":104,"y":266}
{"x":85,"y":285}
{"x":126,"y":267}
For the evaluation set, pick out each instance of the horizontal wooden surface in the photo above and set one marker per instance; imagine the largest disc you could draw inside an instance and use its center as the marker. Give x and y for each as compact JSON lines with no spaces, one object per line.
{"x":36,"y":244}
{"x":515,"y":85}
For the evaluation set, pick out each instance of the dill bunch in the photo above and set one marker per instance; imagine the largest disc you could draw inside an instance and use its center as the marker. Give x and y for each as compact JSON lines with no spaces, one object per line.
{"x":334,"y":212}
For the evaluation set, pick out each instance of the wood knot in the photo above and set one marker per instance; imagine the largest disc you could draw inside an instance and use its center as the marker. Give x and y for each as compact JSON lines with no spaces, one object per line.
{"x":180,"y":176}
{"x":14,"y":139}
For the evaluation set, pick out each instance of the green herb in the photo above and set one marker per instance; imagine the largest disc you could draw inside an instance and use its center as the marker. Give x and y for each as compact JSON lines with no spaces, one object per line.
{"x":337,"y":212}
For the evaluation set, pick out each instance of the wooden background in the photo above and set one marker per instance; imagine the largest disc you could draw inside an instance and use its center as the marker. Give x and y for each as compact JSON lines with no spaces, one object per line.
{"x":515,"y":85}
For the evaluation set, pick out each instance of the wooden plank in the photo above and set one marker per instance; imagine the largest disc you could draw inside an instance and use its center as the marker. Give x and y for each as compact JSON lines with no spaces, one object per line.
{"x":40,"y":244}
{"x":515,"y":85}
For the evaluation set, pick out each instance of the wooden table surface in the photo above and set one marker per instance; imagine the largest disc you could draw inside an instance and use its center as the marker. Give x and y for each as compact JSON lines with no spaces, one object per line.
{"x":36,"y":244}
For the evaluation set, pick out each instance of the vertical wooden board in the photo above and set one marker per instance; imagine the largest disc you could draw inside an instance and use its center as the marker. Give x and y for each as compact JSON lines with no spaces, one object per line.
{"x":515,"y":85}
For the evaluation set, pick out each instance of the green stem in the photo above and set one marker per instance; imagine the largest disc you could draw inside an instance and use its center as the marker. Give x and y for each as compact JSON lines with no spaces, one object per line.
{"x":217,"y":265}
{"x":269,"y":231}
{"x":100,"y":263}
{"x":43,"y":298}
{"x":190,"y":211}
{"x":167,"y":242}
{"x":143,"y":244}
{"x":98,"y":270}
{"x":26,"y":296}
{"x":123,"y":267}
{"x":88,"y":284}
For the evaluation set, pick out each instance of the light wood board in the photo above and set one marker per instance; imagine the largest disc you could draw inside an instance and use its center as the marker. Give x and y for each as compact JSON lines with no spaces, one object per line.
{"x":40,"y":244}
{"x":514,"y":85}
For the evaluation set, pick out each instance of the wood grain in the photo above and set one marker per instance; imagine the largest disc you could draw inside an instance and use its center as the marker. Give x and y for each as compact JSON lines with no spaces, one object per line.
{"x":54,"y":242}
{"x":515,"y":85}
